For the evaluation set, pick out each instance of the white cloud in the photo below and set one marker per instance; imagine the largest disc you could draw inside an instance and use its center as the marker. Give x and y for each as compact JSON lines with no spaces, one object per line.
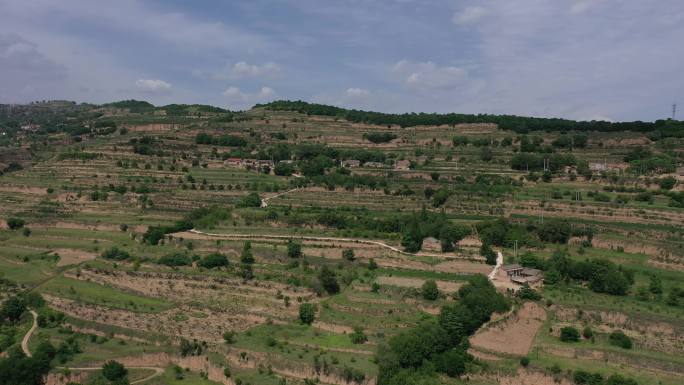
{"x":238,"y":98}
{"x":581,"y":6}
{"x":356,"y":92}
{"x":240,"y":70}
{"x":152,"y":85}
{"x":428,"y":75}
{"x":469,"y":15}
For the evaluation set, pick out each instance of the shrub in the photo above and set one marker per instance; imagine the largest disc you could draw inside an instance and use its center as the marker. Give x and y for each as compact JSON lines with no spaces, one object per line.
{"x":358,"y":336}
{"x":429,"y":290}
{"x":116,"y":254}
{"x":15,"y":223}
{"x":618,"y":338}
{"x":581,"y":377}
{"x":251,"y":200}
{"x":114,"y":371}
{"x":307,"y":313}
{"x":328,"y":280}
{"x":348,"y":254}
{"x":229,"y":336}
{"x":569,"y":334}
{"x":175,"y":259}
{"x":294,"y":249}
{"x":213,"y":260}
{"x":524,"y":361}
{"x":587,"y":332}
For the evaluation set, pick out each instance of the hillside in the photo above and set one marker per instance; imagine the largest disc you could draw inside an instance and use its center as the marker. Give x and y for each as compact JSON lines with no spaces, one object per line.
{"x":293,"y":243}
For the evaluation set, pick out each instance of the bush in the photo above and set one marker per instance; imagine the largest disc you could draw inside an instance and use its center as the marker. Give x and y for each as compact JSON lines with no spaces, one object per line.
{"x":116,"y":254}
{"x":307,"y":313}
{"x":348,"y":254}
{"x":213,"y":260}
{"x":379,"y":137}
{"x":524,"y":361}
{"x":358,"y":336}
{"x":251,"y":200}
{"x":328,"y":280}
{"x":587,"y":332}
{"x":114,"y":371}
{"x":618,"y":338}
{"x":15,"y":223}
{"x":429,"y":290}
{"x":581,"y":377}
{"x":229,"y":336}
{"x":527,"y":293}
{"x":175,"y":259}
{"x":569,"y":334}
{"x":294,"y":249}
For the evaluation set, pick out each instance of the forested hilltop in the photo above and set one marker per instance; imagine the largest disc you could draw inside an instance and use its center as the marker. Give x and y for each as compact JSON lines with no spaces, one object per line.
{"x":519,"y":124}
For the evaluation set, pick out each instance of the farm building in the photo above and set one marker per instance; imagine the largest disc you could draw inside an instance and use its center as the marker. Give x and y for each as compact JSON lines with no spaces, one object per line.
{"x":402,"y":165}
{"x":431,"y":244}
{"x":350,"y":163}
{"x":522,"y":275}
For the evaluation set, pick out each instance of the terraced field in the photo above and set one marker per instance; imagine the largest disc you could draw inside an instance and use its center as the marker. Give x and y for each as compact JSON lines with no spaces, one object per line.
{"x":91,"y":204}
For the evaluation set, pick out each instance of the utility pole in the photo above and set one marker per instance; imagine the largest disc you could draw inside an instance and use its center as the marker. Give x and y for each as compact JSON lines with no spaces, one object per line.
{"x":515,"y":247}
{"x":674,"y":110}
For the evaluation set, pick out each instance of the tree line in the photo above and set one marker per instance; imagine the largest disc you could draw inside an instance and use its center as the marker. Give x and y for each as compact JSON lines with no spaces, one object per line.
{"x":519,"y":124}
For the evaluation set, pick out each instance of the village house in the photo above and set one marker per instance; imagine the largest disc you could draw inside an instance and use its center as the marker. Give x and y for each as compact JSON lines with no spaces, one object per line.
{"x":350,"y":163}
{"x":374,"y":164}
{"x":30,"y":127}
{"x":402,"y":165}
{"x":522,"y":275}
{"x":431,"y":244}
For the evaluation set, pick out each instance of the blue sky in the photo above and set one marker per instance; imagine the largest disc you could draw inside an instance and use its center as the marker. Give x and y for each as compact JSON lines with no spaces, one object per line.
{"x":580,"y":59}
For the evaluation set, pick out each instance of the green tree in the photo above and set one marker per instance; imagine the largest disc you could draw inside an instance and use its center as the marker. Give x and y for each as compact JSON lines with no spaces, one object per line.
{"x":114,"y":371}
{"x":15,"y":223}
{"x":12,"y":309}
{"x":328,"y":280}
{"x":348,"y":254}
{"x":251,"y":200}
{"x":429,"y":290}
{"x":294,"y":249}
{"x":246,"y":256}
{"x":489,"y":254}
{"x":569,"y":334}
{"x":307,"y":313}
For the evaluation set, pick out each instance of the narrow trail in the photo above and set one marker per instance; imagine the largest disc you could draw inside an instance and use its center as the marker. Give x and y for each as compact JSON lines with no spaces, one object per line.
{"x":324,"y":239}
{"x":27,"y":337}
{"x":499,"y":262}
{"x":157,"y":372}
{"x":264,"y":201}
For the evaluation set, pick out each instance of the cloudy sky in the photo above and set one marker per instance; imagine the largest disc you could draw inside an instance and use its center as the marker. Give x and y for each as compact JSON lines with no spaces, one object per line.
{"x":581,"y":59}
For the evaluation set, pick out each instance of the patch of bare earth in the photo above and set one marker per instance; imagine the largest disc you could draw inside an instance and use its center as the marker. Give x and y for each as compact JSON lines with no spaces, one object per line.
{"x":73,"y":256}
{"x":513,"y":335}
{"x":446,"y":286}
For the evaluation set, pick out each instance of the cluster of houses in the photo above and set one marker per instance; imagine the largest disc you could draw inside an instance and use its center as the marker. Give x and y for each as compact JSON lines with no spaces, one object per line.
{"x":349,"y":163}
{"x":248,"y":163}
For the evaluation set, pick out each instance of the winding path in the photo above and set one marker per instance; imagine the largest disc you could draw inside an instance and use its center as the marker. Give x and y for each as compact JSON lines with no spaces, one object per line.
{"x":25,"y":341}
{"x":313,"y":238}
{"x":499,"y":262}
{"x":27,"y":336}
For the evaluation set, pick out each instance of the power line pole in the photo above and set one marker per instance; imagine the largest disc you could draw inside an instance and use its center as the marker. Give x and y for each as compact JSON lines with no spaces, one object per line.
{"x":674,"y":110}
